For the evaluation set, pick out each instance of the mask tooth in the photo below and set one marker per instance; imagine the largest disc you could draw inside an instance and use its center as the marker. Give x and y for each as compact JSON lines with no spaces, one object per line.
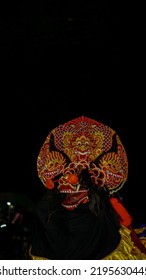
{"x":78,"y":187}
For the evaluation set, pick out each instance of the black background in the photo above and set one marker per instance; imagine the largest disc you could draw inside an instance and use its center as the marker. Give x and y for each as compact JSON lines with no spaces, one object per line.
{"x":64,"y":59}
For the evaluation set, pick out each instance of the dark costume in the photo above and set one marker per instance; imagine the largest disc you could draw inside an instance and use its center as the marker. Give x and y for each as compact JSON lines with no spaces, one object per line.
{"x":83,"y":165}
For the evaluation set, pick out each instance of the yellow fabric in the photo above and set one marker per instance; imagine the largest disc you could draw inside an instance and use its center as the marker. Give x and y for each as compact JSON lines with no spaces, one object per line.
{"x":33,"y":257}
{"x":126,"y":249}
{"x":142,"y":238}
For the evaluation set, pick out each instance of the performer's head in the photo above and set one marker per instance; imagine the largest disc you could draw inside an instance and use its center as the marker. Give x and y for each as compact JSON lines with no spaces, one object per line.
{"x":82,"y":161}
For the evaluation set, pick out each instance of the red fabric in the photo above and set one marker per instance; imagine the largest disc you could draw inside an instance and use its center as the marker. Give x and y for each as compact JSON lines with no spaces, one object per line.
{"x":125,"y":217}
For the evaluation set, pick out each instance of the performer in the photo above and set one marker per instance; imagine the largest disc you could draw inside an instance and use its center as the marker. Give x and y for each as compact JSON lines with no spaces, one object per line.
{"x":83,"y":165}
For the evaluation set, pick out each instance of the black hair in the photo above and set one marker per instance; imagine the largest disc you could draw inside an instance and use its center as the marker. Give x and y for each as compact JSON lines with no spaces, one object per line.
{"x":99,"y":197}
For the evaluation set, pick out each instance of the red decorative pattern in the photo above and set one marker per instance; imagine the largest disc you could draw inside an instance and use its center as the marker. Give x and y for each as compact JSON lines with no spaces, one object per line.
{"x":87,"y":143}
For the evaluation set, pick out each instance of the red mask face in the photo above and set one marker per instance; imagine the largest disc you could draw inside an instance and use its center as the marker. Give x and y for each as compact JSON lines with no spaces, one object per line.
{"x":72,"y":193}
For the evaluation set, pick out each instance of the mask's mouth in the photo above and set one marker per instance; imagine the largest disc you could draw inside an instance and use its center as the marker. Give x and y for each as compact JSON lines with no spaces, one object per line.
{"x":72,"y":198}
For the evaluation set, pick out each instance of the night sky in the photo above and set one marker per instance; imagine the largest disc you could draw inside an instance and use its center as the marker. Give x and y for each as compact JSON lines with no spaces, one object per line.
{"x":64,"y":59}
